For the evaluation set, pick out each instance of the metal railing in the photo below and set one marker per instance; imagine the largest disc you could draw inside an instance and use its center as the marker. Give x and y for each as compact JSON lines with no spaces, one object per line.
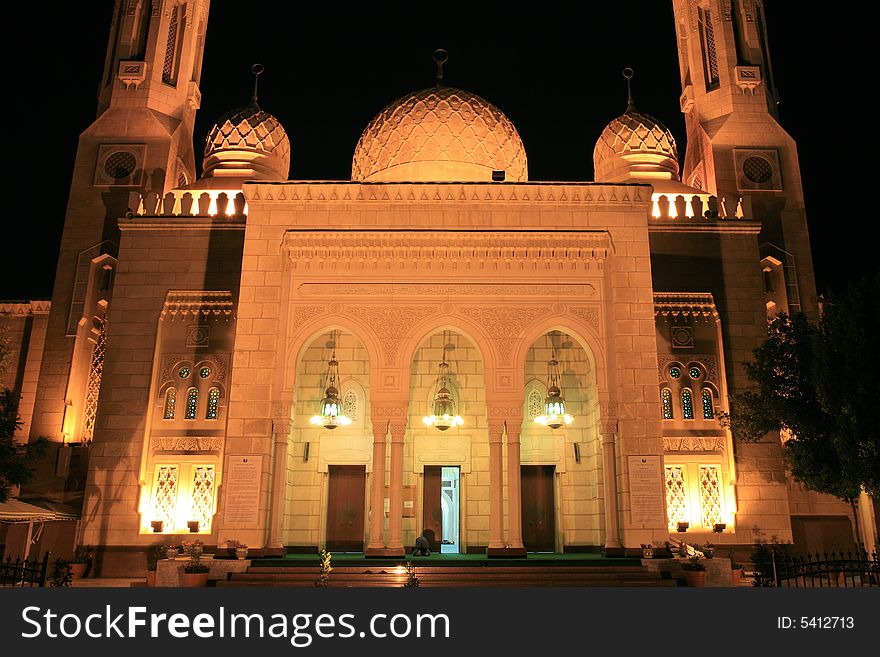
{"x":822,"y":570}
{"x":31,"y":573}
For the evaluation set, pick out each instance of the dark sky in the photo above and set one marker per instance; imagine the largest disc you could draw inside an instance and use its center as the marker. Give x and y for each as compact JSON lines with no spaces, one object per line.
{"x":554,"y":70}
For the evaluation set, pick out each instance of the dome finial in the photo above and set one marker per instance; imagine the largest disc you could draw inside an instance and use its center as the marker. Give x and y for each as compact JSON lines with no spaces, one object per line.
{"x":257,"y":70}
{"x":440,"y":57}
{"x":628,"y":73}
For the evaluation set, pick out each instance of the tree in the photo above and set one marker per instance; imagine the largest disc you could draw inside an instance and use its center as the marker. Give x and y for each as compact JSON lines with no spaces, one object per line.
{"x":16,"y":459}
{"x":819,"y":385}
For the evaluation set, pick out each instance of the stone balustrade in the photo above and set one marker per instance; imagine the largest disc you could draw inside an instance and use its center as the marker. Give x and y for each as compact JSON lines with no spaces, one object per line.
{"x":705,"y":206}
{"x":195,"y":203}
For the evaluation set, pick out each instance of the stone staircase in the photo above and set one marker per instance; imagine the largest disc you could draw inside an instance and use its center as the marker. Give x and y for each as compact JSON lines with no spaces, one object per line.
{"x":453,"y":575}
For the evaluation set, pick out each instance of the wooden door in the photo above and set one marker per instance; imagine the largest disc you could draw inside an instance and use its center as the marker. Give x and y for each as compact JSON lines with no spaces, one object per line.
{"x":345,"y":508}
{"x":432,"y":510}
{"x":538,"y":508}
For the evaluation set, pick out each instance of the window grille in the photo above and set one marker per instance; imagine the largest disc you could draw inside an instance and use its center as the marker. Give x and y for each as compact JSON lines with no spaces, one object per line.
{"x":93,"y":387}
{"x":666,"y":403}
{"x":536,"y":404}
{"x":202,"y":496}
{"x":192,"y":402}
{"x":708,"y":407}
{"x":165,"y":495}
{"x":687,"y":404}
{"x":676,"y":496}
{"x":350,"y":405}
{"x":170,"y":403}
{"x":710,"y":495}
{"x":213,"y":404}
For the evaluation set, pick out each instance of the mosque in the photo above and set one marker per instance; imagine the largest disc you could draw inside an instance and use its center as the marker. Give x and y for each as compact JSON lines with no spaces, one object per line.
{"x":438,"y":345}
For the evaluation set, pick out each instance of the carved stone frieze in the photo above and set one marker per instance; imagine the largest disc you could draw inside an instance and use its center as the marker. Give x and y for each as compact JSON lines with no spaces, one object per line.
{"x":708,"y":361}
{"x":504,"y":324}
{"x":170,"y":361}
{"x":301,"y":314}
{"x":198,"y":303}
{"x":391,"y":324}
{"x":440,"y":290}
{"x":698,"y":444}
{"x":185,"y":444}
{"x":589,"y":314}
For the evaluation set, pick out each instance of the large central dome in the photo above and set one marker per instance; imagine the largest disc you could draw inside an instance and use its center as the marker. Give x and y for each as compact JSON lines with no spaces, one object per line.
{"x":441,"y":134}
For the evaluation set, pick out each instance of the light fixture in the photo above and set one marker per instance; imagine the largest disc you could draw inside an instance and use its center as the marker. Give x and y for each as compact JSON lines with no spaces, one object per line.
{"x":683,"y":526}
{"x":193,"y":526}
{"x":554,"y":404}
{"x":157,"y":526}
{"x":443,"y":409}
{"x":719,"y":527}
{"x":331,"y":415}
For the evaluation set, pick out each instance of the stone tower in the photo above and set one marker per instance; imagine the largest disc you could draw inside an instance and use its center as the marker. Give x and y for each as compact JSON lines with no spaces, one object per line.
{"x":141,"y":141}
{"x":735,"y":145}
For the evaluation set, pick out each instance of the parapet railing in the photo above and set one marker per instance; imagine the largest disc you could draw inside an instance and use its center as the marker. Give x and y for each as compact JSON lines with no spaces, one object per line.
{"x":197,"y":203}
{"x":679,"y":206}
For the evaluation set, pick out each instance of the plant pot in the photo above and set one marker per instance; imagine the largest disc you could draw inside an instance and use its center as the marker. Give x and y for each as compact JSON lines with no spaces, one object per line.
{"x":736,"y":577}
{"x":195,"y":580}
{"x":78,"y":570}
{"x":695,"y":577}
{"x":647,"y":553}
{"x":171,"y":553}
{"x":241,"y":553}
{"x":151,"y":578}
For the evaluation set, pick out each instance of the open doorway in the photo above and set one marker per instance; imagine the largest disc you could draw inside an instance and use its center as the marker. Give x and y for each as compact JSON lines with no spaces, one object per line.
{"x":441,"y":508}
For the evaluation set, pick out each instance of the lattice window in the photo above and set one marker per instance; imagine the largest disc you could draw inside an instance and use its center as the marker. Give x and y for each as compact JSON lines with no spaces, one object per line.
{"x":666,"y":403}
{"x":535,"y":404}
{"x":202,"y":496}
{"x":708,"y":406}
{"x":170,"y":403}
{"x":687,"y":404}
{"x":165,"y":495}
{"x":350,"y":405}
{"x":93,"y":387}
{"x":192,"y":402}
{"x":676,"y":496}
{"x":711,"y":55}
{"x":213,"y":404}
{"x":169,"y":65}
{"x":710,"y":495}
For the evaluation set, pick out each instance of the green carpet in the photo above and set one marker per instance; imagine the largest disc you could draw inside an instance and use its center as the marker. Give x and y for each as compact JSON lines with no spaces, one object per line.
{"x":536,"y":559}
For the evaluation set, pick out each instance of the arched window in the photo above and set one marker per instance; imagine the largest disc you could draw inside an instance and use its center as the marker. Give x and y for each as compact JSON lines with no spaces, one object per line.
{"x":170,"y":403}
{"x":213,"y":404}
{"x":192,"y":402}
{"x":350,"y":405}
{"x":708,"y":408}
{"x":666,"y":403}
{"x":535,"y":404}
{"x":687,"y":404}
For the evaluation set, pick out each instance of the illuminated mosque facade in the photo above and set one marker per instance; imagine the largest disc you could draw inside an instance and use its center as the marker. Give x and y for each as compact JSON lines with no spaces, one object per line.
{"x":439,"y":344}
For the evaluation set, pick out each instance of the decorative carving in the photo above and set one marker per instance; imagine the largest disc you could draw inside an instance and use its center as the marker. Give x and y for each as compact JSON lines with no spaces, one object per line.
{"x":697,"y":444}
{"x":170,"y":361}
{"x":440,"y":290}
{"x":682,"y":337}
{"x":391,"y":324}
{"x":301,"y":314}
{"x":198,"y":335}
{"x":198,"y":303}
{"x":709,"y":361}
{"x":589,"y":314}
{"x":185,"y":444}
{"x":608,"y":427}
{"x":505,"y":412}
{"x":504,"y":324}
{"x":388,"y":411}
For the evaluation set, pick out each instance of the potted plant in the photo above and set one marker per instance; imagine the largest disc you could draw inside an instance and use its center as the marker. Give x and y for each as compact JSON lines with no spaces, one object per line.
{"x":153,"y":555}
{"x":708,"y":550}
{"x":82,"y":558}
{"x":647,"y":551}
{"x":736,"y":569}
{"x":695,"y":571}
{"x":195,"y":573}
{"x":171,"y":552}
{"x":241,"y":550}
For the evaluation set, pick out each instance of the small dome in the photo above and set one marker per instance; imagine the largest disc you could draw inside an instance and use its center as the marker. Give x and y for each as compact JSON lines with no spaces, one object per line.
{"x":441,"y":134}
{"x":247,"y":143}
{"x":635,"y":146}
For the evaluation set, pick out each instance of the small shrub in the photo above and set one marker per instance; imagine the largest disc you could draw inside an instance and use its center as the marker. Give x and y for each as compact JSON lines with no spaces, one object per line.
{"x":325,"y":569}
{"x":411,"y":579}
{"x":61,"y":576}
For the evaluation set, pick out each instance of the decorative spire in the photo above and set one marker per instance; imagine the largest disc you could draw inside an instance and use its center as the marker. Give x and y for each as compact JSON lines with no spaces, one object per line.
{"x":257,"y":70}
{"x":440,"y":57}
{"x":628,"y":73}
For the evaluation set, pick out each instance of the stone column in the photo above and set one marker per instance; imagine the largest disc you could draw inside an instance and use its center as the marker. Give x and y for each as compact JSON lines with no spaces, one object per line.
{"x":496,"y":490}
{"x":395,"y":533}
{"x":609,"y":477}
{"x":514,"y":491}
{"x":275,"y":542}
{"x":376,"y":546}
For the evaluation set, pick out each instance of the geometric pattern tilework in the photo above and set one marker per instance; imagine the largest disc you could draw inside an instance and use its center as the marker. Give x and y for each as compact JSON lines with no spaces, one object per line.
{"x":202,"y":496}
{"x":165,"y":495}
{"x":710,"y":495}
{"x":676,"y":496}
{"x":536,"y":404}
{"x":249,"y":129}
{"x":94,"y":383}
{"x":350,"y":405}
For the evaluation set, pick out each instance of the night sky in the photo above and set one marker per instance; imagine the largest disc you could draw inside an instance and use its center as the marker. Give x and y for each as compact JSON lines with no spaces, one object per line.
{"x":331,"y":68}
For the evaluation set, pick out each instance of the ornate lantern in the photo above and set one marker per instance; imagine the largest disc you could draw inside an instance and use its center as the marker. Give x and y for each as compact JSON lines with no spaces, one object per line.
{"x":554,"y":404}
{"x":443,"y":408}
{"x":331,"y":415}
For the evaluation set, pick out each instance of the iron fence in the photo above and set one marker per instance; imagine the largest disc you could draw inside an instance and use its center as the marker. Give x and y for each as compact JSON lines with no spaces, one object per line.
{"x":31,"y":573}
{"x":821,"y":570}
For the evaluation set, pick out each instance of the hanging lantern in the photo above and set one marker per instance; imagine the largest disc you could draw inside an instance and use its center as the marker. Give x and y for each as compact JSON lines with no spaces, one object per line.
{"x":443,"y":408}
{"x":331,"y":415}
{"x":554,"y":404}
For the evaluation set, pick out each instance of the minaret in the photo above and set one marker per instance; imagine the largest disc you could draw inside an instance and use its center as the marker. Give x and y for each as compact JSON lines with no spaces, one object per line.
{"x":141,"y":140}
{"x":734,"y":141}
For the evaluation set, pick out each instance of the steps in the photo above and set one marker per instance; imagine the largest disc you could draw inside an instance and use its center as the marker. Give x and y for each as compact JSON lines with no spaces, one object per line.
{"x":392,"y":575}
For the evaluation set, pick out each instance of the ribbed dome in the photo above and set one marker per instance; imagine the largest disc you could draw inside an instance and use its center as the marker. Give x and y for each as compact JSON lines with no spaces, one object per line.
{"x":247,"y":143}
{"x":439,"y":134}
{"x":635,"y":146}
